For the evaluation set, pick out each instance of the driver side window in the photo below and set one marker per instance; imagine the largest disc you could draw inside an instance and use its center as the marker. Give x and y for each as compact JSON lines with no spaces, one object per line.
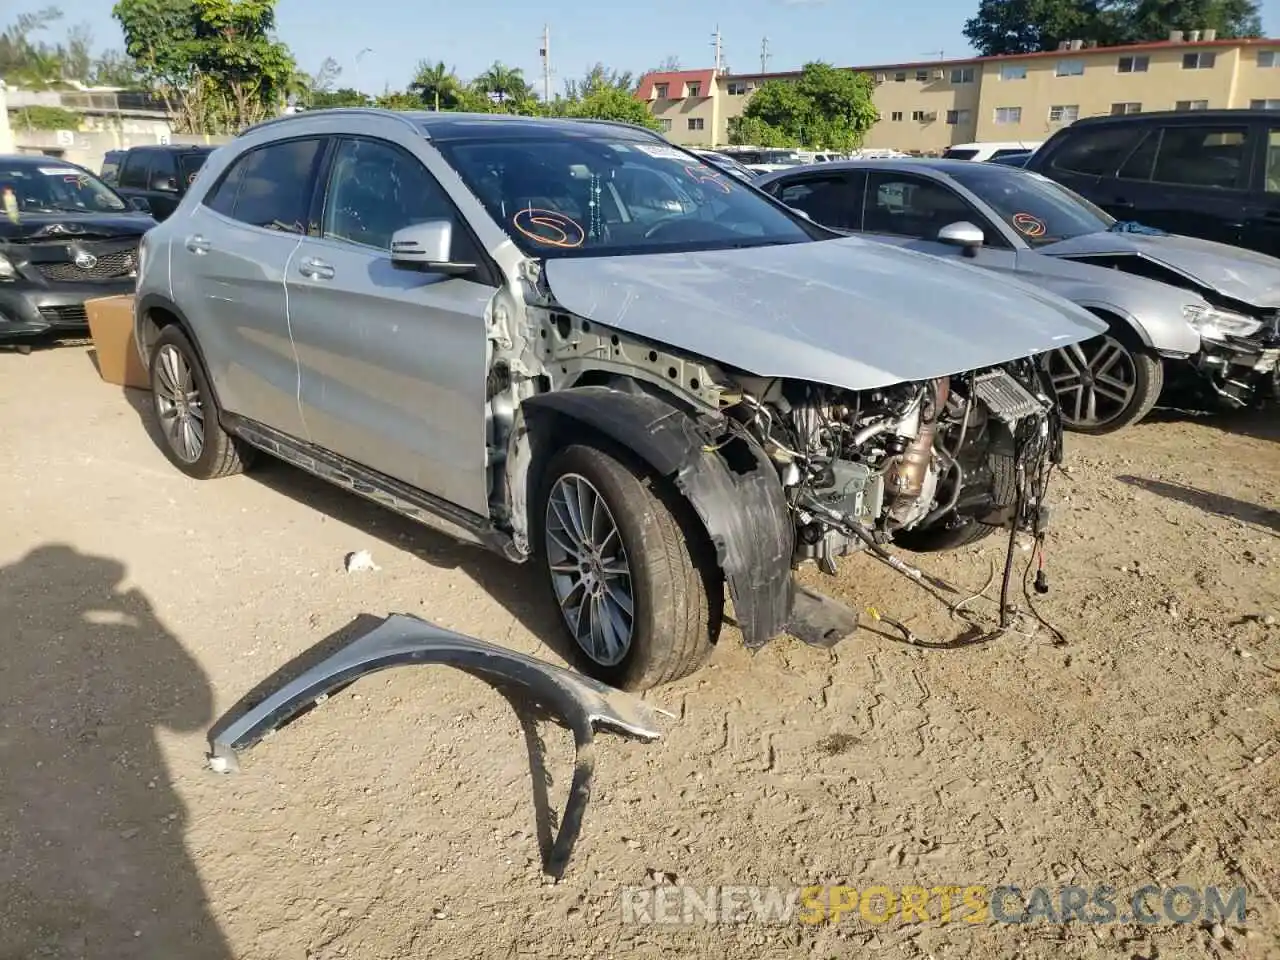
{"x":903,"y":205}
{"x":376,"y":189}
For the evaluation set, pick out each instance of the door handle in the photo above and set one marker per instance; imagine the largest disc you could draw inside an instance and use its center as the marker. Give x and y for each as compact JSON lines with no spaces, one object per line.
{"x":315,"y":269}
{"x":198,"y":244}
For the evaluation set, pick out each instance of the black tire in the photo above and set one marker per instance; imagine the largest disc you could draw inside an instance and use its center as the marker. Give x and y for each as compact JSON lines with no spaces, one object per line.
{"x":219,"y":453}
{"x":1142,"y":372}
{"x":676,"y":594}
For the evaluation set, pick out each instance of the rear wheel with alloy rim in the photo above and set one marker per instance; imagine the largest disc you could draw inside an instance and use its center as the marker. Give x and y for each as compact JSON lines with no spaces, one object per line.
{"x":1104,"y":384}
{"x":635,"y":592}
{"x":186,"y":411}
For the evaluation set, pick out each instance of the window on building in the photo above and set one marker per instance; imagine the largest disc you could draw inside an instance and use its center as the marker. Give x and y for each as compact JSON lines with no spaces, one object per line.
{"x":696,"y":123}
{"x":900,"y":77}
{"x":1269,"y":59}
{"x":918,"y":116}
{"x":1264,"y":104}
{"x":958,"y":116}
{"x":962,"y":75}
{"x":1133,"y":65}
{"x":693,"y":89}
{"x":1013,"y":71}
{"x":1008,"y":114}
{"x":1069,"y":68}
{"x":1064,"y":113}
{"x":1185,"y":105}
{"x":922,"y":76}
{"x":1202,"y":156}
{"x":896,"y":116}
{"x":664,"y":124}
{"x":1198,"y":61}
{"x":737,"y":88}
{"x":1123,"y":109}
{"x":660,"y":90}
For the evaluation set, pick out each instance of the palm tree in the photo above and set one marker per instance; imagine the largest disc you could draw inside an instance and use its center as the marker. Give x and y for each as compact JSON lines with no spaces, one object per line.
{"x":504,"y":84}
{"x":437,"y":85}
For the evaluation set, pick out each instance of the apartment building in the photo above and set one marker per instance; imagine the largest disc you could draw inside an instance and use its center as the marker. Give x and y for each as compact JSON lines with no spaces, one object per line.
{"x":925,"y":107}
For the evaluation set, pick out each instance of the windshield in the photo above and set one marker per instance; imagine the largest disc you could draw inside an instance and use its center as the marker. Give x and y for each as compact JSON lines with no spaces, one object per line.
{"x":587,"y":196}
{"x":1040,"y":210}
{"x":55,"y":187}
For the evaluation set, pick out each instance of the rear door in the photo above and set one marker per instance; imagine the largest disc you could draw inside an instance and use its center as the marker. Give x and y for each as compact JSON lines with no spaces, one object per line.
{"x":1187,"y":178}
{"x":229,"y":264}
{"x":393,"y":362}
{"x":132,"y":176}
{"x":1262,"y":216}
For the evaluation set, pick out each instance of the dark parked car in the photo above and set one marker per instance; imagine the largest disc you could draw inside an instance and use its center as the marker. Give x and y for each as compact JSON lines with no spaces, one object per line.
{"x":1213,"y":174}
{"x":65,"y":237}
{"x":160,"y":174}
{"x":111,"y":161}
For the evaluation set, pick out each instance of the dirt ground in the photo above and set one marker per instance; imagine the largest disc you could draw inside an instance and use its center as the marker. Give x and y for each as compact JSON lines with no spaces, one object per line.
{"x":396,"y":820}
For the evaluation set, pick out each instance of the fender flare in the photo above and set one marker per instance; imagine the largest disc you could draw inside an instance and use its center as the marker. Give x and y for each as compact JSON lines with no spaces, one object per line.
{"x":740,"y":502}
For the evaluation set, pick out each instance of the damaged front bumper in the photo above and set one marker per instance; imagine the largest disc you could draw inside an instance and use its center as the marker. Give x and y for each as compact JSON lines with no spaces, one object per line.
{"x":581,"y":703}
{"x":1241,"y":371}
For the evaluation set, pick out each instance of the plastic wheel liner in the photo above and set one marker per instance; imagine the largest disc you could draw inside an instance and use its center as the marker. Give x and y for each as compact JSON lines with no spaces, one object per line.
{"x":582,"y":703}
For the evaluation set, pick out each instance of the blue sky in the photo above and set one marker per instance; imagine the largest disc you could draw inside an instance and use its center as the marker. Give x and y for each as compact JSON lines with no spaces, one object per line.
{"x":471,"y":34}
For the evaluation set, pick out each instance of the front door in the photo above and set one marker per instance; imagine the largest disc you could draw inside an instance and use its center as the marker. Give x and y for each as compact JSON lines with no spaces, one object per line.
{"x":393,"y":362}
{"x":229,"y":264}
{"x":908,"y":210}
{"x":1189,"y":179}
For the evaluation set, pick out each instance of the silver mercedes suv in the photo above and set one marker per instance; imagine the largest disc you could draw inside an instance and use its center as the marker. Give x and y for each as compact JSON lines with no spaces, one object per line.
{"x":574,"y":343}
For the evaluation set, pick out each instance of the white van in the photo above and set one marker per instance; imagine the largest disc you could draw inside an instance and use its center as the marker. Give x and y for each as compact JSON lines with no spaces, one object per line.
{"x":988,"y":151}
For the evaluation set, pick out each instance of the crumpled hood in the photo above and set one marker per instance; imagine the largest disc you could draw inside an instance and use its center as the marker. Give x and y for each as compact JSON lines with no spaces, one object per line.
{"x":848,"y":312}
{"x":1244,"y":275}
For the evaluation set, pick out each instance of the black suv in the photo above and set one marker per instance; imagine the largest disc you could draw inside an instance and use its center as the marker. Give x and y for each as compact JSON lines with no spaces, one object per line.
{"x":1213,"y":174}
{"x":65,"y":237}
{"x":160,"y":174}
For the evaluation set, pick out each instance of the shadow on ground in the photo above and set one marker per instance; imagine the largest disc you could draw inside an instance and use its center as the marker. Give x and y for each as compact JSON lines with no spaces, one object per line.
{"x":92,"y":859}
{"x":516,"y":586}
{"x":1208,"y":501}
{"x":1260,"y":424}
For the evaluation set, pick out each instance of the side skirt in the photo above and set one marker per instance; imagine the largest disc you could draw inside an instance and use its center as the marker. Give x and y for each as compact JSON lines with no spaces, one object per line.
{"x":433,"y":512}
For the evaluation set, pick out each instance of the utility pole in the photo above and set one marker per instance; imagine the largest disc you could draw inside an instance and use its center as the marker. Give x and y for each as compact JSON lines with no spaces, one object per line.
{"x":719,"y":49}
{"x":764,"y":55}
{"x":545,"y":53}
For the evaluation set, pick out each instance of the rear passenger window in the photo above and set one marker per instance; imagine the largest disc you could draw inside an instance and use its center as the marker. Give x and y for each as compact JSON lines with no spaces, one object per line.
{"x":831,"y":201}
{"x":1143,"y":160}
{"x":269,"y":187}
{"x":164,"y":171}
{"x":1206,"y":156}
{"x":134,"y":173}
{"x":1096,"y":153}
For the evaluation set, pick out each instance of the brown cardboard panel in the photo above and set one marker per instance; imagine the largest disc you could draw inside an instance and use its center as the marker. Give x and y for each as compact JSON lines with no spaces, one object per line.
{"x":111,"y":324}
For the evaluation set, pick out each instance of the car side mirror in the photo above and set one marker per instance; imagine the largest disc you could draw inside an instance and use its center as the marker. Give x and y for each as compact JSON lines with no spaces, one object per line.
{"x":962,"y":234}
{"x":140,"y":204}
{"x":425,"y":247}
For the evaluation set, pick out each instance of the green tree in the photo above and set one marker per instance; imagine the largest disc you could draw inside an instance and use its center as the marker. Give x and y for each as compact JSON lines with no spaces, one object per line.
{"x":398,"y":100}
{"x":504,"y":85}
{"x":216,"y":63}
{"x":1028,"y":26}
{"x":342,"y":97}
{"x":826,"y":108}
{"x":599,"y":79}
{"x":610,"y":103}
{"x":45,"y":118}
{"x":436,"y":85}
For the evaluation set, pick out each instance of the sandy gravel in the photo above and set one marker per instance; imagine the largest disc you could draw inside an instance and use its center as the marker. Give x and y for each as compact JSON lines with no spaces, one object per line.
{"x":397,"y":821}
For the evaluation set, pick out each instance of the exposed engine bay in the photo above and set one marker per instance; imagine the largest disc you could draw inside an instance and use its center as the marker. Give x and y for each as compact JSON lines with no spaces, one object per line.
{"x":862,"y":469}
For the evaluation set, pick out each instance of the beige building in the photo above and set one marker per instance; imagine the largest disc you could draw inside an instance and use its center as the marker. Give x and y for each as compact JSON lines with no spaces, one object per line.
{"x":926,"y":107}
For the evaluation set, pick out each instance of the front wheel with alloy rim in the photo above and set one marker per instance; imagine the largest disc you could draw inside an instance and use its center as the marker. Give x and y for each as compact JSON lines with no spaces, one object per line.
{"x":637,"y":594}
{"x":1104,"y":384}
{"x":187,"y":413}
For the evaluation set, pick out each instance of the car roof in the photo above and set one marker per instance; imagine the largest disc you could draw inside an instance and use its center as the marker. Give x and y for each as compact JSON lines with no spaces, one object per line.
{"x":898,"y":164}
{"x":175,"y":147}
{"x":1182,"y":116}
{"x":447,"y":126}
{"x":34,"y":160}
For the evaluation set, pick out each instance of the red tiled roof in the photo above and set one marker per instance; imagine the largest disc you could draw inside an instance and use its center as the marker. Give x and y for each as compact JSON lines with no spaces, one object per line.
{"x":676,"y":80}
{"x":1127,"y":48}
